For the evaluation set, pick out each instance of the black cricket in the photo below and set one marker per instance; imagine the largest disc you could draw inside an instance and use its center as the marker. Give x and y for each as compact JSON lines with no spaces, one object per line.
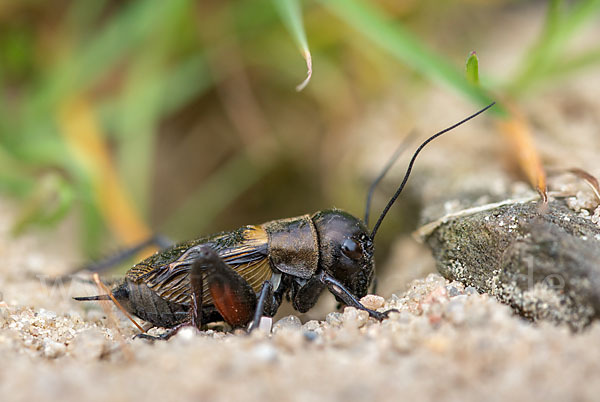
{"x":242,"y":275}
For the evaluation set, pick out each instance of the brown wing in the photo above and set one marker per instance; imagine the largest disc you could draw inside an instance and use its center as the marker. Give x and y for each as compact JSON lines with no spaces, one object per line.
{"x":245,"y":250}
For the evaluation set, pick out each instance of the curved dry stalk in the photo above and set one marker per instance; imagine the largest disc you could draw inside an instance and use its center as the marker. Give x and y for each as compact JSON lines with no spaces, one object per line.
{"x":102,"y":287}
{"x":589,"y":179}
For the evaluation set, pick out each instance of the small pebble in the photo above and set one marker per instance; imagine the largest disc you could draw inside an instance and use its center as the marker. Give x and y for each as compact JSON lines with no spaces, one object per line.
{"x":186,"y":334}
{"x":310,"y":335}
{"x":265,"y":352}
{"x":265,"y":324}
{"x":455,"y":311}
{"x":372,"y":302}
{"x":4,"y":316}
{"x":437,"y":343}
{"x":455,"y":289}
{"x":46,"y":315}
{"x":54,"y":349}
{"x":312,"y":325}
{"x":334,"y":319}
{"x":89,"y":344}
{"x":354,"y":318}
{"x":470,"y":290}
{"x":290,"y":322}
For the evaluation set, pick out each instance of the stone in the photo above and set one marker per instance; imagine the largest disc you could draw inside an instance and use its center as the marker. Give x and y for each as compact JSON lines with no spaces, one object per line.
{"x":545,"y":264}
{"x":289,"y":322}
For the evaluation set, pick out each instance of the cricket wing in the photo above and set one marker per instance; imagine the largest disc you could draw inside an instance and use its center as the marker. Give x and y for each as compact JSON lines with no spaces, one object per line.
{"x":245,"y":250}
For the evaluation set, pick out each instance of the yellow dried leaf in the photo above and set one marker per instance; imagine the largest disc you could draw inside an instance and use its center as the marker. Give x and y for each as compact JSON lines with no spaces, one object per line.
{"x":518,"y":133}
{"x":80,"y":129}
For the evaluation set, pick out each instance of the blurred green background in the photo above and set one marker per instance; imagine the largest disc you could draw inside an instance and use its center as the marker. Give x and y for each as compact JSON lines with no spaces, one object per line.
{"x":181,"y":117}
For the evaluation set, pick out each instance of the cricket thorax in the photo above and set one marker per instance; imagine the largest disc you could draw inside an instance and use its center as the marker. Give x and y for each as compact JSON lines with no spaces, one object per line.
{"x":293,"y":246}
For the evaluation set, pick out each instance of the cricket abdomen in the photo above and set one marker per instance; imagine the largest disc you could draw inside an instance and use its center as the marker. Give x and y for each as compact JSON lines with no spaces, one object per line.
{"x":141,"y":301}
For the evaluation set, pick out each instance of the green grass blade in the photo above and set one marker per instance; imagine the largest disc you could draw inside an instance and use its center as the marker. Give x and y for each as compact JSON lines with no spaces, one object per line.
{"x":177,"y":86}
{"x":589,"y":59}
{"x":472,"y":69}
{"x":559,"y":28}
{"x":404,"y":46}
{"x":291,"y":14}
{"x":579,"y":15}
{"x":50,"y":202}
{"x":127,"y":30}
{"x":15,"y":178}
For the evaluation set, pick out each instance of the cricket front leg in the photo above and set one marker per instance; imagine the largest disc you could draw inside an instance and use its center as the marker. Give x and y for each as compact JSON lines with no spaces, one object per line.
{"x":265,"y":297}
{"x":338,"y":289}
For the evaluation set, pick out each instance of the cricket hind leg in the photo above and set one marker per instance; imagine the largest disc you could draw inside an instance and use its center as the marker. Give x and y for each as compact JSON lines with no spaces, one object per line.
{"x":111,"y":261}
{"x":123,"y":255}
{"x":232,"y":295}
{"x":196,"y":287}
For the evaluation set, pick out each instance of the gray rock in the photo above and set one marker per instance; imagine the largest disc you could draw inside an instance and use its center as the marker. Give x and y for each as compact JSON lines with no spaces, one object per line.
{"x":546,"y":265}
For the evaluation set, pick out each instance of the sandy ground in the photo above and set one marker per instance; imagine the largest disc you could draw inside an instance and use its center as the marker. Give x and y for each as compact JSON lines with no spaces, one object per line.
{"x":447,"y":342}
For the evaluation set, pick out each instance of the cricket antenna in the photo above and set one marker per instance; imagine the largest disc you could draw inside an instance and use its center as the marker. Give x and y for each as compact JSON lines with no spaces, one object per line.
{"x":401,"y":148}
{"x":412,"y":162}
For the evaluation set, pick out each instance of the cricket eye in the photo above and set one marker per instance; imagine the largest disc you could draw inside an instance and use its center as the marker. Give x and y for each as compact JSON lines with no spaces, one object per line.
{"x":352,"y":249}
